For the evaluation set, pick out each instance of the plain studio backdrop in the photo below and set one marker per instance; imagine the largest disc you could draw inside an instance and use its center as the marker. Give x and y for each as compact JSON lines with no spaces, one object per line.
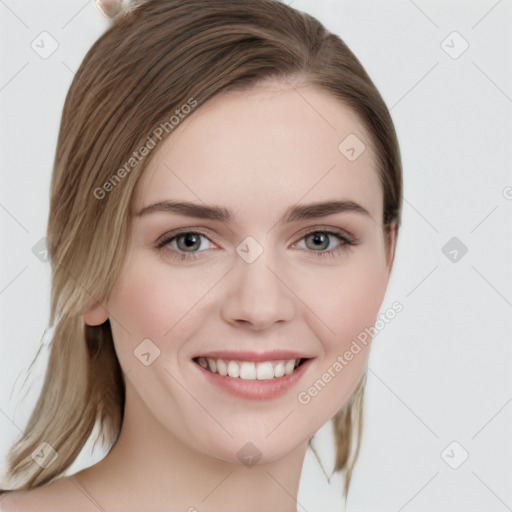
{"x":438,"y":412}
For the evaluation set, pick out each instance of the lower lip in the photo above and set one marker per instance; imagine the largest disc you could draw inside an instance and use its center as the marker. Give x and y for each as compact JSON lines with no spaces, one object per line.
{"x":256,"y":389}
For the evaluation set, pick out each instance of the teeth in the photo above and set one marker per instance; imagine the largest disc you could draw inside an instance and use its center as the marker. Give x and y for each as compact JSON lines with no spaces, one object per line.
{"x":233,"y":369}
{"x":222,"y":368}
{"x":288,"y":367}
{"x":279,"y":370}
{"x":264,"y":371}
{"x":247,"y":370}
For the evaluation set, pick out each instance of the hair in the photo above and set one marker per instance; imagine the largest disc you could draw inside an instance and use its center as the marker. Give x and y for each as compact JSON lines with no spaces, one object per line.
{"x":151,"y":62}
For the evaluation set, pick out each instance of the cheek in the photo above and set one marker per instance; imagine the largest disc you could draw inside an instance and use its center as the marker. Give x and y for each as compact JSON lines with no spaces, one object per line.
{"x":347,"y":312}
{"x":347,"y":298}
{"x":150,"y":301}
{"x":141,"y":304}
{"x":357,"y":304}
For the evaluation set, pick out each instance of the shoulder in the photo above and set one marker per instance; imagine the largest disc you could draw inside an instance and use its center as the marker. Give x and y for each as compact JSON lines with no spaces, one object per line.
{"x":59,"y":495}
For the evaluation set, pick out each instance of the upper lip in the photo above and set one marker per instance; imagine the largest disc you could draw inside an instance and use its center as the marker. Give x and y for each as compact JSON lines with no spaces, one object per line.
{"x":244,"y":355}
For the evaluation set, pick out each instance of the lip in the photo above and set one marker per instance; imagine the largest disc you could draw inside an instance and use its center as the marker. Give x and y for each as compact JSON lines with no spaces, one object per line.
{"x":244,"y":355}
{"x":255,"y":389}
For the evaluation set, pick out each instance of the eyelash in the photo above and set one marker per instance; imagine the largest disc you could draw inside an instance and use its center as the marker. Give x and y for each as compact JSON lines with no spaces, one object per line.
{"x":346,"y":243}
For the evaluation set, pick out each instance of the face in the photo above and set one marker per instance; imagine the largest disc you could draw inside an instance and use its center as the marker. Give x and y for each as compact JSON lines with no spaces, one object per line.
{"x":274,"y":282}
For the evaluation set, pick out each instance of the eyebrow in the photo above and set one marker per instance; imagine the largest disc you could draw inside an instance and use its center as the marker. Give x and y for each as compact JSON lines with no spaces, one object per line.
{"x":291,"y":214}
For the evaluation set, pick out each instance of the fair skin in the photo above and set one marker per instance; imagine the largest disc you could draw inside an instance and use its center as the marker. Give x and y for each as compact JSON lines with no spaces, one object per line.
{"x":255,"y":153}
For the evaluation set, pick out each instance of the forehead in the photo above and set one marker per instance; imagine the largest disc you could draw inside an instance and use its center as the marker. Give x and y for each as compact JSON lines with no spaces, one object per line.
{"x":259,"y":150}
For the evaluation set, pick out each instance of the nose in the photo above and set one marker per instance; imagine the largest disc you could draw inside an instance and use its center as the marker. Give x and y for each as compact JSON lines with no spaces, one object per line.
{"x":258,"y":294}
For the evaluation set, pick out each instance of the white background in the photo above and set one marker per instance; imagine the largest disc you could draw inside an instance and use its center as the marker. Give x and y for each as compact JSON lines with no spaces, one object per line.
{"x":440,"y":371}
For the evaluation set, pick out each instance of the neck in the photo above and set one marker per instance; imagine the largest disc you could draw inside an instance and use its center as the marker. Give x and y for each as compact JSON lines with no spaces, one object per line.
{"x":149,"y":468}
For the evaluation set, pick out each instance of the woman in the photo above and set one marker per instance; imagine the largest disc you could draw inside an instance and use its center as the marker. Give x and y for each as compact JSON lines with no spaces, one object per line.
{"x":225,"y":206}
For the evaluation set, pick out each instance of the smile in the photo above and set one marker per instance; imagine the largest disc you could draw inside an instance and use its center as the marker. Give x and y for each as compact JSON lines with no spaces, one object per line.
{"x":249,"y":370}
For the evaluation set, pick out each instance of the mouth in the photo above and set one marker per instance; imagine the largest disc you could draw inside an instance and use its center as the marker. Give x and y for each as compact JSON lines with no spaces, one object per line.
{"x":250,"y":370}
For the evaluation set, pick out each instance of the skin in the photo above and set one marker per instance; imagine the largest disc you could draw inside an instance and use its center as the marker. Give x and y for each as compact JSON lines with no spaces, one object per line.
{"x":110,"y":8}
{"x":254,"y":152}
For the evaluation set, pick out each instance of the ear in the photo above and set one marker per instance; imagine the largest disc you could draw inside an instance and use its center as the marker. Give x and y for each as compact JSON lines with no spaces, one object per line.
{"x":391,"y":239}
{"x":95,"y":315}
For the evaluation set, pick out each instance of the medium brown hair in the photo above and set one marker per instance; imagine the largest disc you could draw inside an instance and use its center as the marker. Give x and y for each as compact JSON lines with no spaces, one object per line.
{"x":152,"y":60}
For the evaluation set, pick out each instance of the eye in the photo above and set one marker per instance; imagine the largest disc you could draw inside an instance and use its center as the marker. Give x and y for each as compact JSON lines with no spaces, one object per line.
{"x":189,"y":244}
{"x":183,"y":245}
{"x":319,"y":240}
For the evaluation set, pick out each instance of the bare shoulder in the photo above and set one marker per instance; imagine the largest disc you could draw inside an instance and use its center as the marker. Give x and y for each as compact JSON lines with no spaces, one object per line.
{"x":62,"y":494}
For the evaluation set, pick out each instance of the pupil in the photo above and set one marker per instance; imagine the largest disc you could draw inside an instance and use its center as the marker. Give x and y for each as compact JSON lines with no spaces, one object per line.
{"x":190,"y":240}
{"x":319,"y":238}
